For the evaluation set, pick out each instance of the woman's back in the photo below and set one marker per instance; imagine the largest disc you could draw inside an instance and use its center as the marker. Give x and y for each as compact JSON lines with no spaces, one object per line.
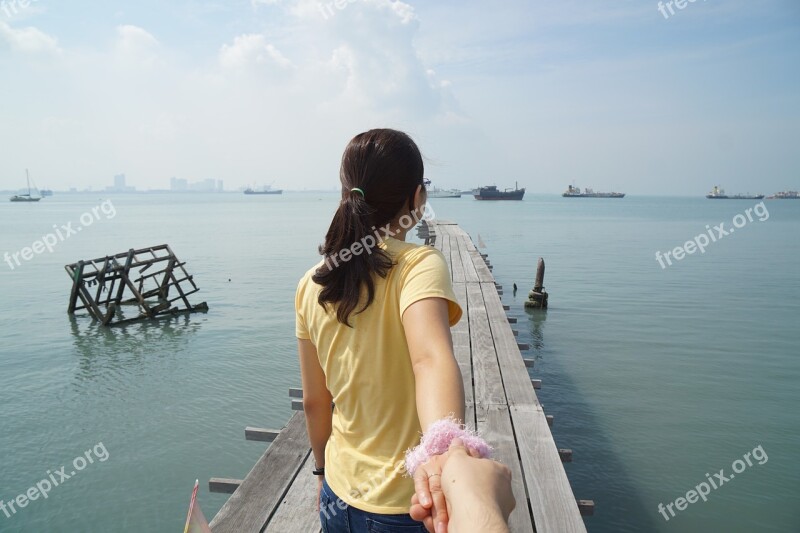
{"x":369,"y":373}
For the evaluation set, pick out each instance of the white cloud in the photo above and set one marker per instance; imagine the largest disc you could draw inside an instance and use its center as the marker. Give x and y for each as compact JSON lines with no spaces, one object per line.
{"x":252,"y":49}
{"x":29,"y":40}
{"x":136,"y":45}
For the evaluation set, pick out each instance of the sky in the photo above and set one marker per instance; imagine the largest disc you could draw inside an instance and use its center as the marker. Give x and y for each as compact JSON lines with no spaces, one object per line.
{"x":614,"y":95}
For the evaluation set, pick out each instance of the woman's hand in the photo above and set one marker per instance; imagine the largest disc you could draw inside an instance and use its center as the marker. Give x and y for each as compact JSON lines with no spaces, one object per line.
{"x":428,"y":504}
{"x":320,"y":479}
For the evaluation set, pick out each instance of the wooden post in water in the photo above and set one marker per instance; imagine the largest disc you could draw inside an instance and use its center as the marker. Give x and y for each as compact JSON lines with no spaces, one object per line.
{"x":537,"y":298}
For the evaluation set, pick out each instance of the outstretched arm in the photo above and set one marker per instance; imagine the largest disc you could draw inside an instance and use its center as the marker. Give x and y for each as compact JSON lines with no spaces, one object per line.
{"x":316,"y":400}
{"x":439,"y":387}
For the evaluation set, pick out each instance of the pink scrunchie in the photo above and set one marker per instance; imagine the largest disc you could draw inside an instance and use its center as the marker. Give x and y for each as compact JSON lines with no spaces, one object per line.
{"x":437,"y":440}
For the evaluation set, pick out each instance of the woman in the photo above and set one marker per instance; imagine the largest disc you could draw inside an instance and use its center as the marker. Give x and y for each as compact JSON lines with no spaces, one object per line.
{"x":373,"y":329}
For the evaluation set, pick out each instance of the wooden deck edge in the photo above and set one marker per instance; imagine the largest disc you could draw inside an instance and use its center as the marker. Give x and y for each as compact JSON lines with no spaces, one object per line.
{"x":262,"y":490}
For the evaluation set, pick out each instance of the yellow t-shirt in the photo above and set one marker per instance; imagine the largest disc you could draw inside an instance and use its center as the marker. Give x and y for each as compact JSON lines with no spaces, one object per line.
{"x":368,"y":371}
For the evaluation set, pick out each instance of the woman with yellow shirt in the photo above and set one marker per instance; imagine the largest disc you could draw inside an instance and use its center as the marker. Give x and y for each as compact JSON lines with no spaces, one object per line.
{"x":373,"y":328}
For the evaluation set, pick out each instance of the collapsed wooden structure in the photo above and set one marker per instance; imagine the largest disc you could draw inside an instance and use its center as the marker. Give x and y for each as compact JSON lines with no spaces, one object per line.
{"x":105,"y":284}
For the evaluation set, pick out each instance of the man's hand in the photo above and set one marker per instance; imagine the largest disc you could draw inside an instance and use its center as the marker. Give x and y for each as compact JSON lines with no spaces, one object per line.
{"x":477,"y":493}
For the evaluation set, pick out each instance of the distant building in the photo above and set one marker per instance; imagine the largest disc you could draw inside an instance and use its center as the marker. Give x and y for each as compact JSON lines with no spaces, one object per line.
{"x":206,"y":185}
{"x":177,"y":184}
{"x":119,"y":185}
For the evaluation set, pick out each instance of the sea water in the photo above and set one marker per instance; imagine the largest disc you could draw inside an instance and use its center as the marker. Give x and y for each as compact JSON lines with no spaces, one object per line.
{"x":658,"y":377}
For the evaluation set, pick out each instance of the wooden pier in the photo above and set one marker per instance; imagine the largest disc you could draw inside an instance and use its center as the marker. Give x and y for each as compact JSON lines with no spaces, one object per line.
{"x":279,"y":492}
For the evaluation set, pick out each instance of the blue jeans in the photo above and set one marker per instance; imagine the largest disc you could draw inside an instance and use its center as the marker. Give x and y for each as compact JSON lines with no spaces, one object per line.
{"x":338,"y":517}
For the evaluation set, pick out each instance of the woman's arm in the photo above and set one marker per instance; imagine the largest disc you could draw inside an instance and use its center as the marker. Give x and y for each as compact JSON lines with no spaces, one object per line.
{"x":439,"y":389}
{"x":316,"y":400}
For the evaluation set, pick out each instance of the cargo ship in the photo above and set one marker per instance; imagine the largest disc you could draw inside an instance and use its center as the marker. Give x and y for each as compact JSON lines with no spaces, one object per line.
{"x":575,"y":192}
{"x":265,"y":190}
{"x":785,"y":195}
{"x":491,"y":192}
{"x":718,"y":193}
{"x":442,"y":193}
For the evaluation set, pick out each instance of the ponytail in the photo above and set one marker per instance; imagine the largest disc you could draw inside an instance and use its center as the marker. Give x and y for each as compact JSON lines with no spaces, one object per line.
{"x":380,"y":172}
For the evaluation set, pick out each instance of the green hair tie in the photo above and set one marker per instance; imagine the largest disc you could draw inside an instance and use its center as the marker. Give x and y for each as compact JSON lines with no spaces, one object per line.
{"x":359,"y":191}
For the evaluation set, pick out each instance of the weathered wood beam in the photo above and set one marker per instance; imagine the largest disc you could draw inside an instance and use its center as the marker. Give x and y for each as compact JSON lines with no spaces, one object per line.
{"x":261,"y":434}
{"x":223,"y":485}
{"x":586,"y":507}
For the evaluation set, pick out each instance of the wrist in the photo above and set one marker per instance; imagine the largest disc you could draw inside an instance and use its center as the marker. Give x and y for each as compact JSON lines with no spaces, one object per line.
{"x":483,"y":516}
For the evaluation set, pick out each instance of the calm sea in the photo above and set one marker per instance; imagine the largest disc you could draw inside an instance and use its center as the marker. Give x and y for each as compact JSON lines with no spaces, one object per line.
{"x":656,"y":377}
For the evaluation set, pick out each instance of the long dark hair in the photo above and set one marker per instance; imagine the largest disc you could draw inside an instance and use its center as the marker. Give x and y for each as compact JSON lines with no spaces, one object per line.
{"x":384,"y":167}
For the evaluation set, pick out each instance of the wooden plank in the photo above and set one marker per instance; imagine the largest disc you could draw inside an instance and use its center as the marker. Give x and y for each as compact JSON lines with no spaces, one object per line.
{"x":483,"y":270}
{"x":553,"y":504}
{"x":470,"y":273}
{"x":445,"y":248}
{"x":223,"y":485}
{"x":249,"y":508}
{"x":456,"y":262}
{"x":463,"y":352}
{"x":298,"y":509}
{"x":485,"y":370}
{"x":586,"y":507}
{"x":261,"y":434}
{"x":512,"y":367}
{"x":494,"y":423}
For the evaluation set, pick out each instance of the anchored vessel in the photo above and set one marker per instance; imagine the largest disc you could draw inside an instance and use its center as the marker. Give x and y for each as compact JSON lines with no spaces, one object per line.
{"x":785,"y":195}
{"x":490,"y":192}
{"x":25,"y":197}
{"x":718,"y":193}
{"x":575,"y":192}
{"x":442,"y":193}
{"x":266,"y":190}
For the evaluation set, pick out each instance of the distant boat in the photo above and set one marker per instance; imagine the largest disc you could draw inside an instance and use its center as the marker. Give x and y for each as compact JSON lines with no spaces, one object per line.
{"x":785,"y":195}
{"x":442,"y":193}
{"x":266,"y":190}
{"x":490,"y":192}
{"x":575,"y":192}
{"x":25,"y":197}
{"x":46,"y":192}
{"x":718,"y":193}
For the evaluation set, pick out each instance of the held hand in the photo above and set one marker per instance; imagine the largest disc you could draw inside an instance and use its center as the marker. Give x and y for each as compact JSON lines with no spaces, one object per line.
{"x":424,"y":513}
{"x":428,"y":504}
{"x":478,"y":491}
